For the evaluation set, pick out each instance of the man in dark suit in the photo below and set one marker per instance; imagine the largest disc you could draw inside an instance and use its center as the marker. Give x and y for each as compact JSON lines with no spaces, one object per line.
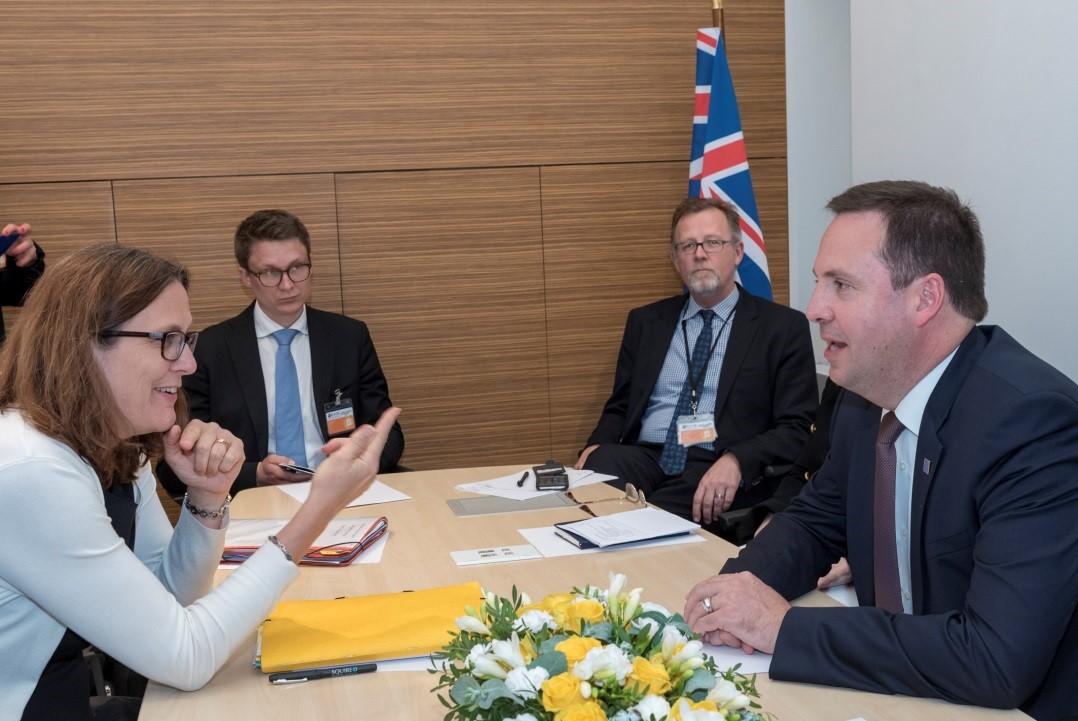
{"x":282,"y":376}
{"x":23,"y":264}
{"x":957,"y":510}
{"x":696,"y":429}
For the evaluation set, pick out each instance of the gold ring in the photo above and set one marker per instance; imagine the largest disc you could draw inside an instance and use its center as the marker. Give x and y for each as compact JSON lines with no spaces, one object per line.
{"x":221,"y":440}
{"x":706,"y":603}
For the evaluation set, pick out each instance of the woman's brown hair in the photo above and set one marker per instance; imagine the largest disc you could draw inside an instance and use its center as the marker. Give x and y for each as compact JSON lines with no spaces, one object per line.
{"x":47,"y":367}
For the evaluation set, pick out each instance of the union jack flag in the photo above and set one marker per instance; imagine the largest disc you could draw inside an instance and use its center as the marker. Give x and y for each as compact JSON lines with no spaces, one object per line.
{"x":720,"y":165}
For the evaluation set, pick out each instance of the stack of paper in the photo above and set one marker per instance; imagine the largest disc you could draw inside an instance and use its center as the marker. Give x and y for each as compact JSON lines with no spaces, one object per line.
{"x":644,"y":524}
{"x":338,"y":545}
{"x":520,"y":486}
{"x":378,"y":492}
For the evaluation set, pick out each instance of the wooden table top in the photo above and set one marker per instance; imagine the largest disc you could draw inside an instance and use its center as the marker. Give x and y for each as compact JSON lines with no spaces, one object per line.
{"x":422,"y":533}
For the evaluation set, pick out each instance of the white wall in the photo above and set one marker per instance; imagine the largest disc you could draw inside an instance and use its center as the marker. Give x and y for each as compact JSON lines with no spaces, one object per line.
{"x":818,"y":128}
{"x":980,"y":96}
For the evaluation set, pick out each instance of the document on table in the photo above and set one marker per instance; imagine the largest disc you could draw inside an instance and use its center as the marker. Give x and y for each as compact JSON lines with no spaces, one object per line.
{"x":551,"y":545}
{"x":506,"y":486}
{"x":252,"y":533}
{"x":727,"y":657}
{"x":377,"y":493}
{"x":643,"y":524}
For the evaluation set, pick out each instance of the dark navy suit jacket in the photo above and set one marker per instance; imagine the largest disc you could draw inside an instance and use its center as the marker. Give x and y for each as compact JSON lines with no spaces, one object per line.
{"x":228,"y":387}
{"x":993,"y":547}
{"x":767,"y":393}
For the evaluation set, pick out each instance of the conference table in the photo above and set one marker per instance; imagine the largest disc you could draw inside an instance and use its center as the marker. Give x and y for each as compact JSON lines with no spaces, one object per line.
{"x":422,"y":532}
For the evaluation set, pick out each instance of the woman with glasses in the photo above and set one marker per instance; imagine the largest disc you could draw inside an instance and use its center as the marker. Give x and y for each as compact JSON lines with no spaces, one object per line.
{"x":89,"y":394}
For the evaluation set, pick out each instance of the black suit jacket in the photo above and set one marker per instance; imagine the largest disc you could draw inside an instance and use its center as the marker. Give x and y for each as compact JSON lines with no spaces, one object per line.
{"x":767,"y":393}
{"x":228,"y":386}
{"x":993,"y":545}
{"x":15,"y":282}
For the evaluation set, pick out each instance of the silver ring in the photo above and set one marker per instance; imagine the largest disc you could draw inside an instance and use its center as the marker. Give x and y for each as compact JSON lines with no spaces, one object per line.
{"x":706,"y":603}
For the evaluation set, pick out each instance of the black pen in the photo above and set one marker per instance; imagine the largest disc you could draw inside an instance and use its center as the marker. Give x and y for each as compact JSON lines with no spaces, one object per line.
{"x":312,"y":674}
{"x":522,"y":479}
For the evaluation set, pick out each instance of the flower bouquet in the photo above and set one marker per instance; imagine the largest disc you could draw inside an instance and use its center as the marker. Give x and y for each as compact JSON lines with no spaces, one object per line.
{"x":589,"y":655}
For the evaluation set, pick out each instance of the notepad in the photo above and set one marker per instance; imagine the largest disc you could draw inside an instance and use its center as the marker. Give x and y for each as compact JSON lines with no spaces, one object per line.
{"x":342,"y":541}
{"x":643,"y":524}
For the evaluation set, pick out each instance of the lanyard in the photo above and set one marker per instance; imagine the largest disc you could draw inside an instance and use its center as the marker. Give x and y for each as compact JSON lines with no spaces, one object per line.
{"x":694,"y":382}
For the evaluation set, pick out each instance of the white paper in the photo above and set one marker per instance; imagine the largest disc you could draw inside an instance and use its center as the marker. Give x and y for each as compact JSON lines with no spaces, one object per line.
{"x":726,"y":657}
{"x":416,"y":663}
{"x":631,"y":526}
{"x":377,"y":493}
{"x":254,"y":532}
{"x":506,"y":486}
{"x":846,"y":595}
{"x":498,"y":554}
{"x":551,"y":545}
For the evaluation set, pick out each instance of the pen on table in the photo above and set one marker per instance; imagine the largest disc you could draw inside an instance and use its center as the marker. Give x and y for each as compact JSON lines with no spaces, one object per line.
{"x":313,"y":674}
{"x":522,"y":479}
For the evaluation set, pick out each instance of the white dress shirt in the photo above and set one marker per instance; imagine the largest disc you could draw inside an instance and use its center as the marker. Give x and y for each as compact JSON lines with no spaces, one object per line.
{"x":301,"y":354}
{"x":910,"y":410}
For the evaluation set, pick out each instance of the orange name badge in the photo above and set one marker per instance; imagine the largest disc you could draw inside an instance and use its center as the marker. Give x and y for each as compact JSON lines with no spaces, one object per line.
{"x":340,"y":417}
{"x":692,"y":430}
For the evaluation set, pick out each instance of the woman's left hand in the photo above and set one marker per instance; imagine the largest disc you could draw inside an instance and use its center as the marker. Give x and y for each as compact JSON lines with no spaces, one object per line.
{"x":207,"y":458}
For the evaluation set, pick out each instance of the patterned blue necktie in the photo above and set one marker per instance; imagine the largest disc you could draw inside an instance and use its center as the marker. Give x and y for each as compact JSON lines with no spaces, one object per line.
{"x":287,"y":414}
{"x":672,"y":460}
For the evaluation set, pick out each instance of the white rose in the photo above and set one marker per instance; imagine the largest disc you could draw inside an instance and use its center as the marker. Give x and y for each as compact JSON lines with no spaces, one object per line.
{"x":523,"y":717}
{"x":653,"y":707}
{"x":535,"y":622}
{"x":526,"y":682}
{"x":604,"y":664}
{"x":479,"y":649}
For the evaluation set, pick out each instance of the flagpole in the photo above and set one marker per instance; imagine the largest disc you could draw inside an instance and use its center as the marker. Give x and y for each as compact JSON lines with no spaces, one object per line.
{"x":717,"y":14}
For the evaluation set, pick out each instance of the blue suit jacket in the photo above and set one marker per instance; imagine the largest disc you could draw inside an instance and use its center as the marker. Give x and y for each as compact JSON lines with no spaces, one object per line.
{"x":993,"y":548}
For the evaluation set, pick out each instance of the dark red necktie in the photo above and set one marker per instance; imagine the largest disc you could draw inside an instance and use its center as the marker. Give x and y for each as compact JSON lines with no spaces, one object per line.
{"x":885,"y":554}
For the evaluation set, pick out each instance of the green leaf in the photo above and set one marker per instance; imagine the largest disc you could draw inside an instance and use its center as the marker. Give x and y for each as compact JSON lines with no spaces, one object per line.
{"x":548,"y":645}
{"x":492,"y":690}
{"x":554,"y":663}
{"x":465,"y":691}
{"x":603,"y":631}
{"x":700,"y":680}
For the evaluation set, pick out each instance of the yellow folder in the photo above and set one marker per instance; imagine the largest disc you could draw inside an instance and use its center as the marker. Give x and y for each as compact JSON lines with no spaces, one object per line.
{"x":304,"y":634}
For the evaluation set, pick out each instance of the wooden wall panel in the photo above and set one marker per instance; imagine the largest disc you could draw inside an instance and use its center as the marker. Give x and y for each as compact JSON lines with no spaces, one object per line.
{"x":194,"y":222}
{"x":64,"y":217}
{"x":121,"y":89}
{"x":447,"y":269}
{"x":605,"y":233}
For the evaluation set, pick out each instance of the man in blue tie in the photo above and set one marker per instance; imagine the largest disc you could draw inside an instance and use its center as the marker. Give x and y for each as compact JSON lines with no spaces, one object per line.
{"x":712,"y":386}
{"x":282,"y":376}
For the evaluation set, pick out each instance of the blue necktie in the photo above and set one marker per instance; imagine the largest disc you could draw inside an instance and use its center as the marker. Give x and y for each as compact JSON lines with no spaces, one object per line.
{"x":287,"y":413}
{"x":672,"y":460}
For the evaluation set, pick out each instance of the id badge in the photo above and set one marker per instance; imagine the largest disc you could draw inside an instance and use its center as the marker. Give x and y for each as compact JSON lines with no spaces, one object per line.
{"x":340,"y":417}
{"x":693,"y":430}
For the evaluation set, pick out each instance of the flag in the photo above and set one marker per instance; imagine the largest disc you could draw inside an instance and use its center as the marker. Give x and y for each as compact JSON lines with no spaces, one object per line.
{"x":720,"y":165}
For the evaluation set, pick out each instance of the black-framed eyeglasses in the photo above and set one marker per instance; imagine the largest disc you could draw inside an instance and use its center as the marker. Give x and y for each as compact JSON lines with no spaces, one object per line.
{"x":172,"y":342}
{"x":272,"y":278}
{"x":711,"y":245}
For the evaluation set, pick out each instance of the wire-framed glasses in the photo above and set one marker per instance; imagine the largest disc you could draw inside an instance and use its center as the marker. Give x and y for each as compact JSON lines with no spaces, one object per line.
{"x":172,"y":342}
{"x":632,"y":495}
{"x":272,"y":278}
{"x":710,"y":246}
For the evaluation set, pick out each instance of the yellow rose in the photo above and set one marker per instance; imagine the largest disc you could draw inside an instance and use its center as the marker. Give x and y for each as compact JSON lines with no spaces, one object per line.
{"x":588,"y":610}
{"x":576,"y":648}
{"x":675,"y":708}
{"x":556,"y":605}
{"x":561,"y":691}
{"x":587,"y":711}
{"x":652,"y":677}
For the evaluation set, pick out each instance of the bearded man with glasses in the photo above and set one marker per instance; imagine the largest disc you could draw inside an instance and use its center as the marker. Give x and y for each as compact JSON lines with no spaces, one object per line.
{"x":712,"y":387}
{"x":282,"y":376}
